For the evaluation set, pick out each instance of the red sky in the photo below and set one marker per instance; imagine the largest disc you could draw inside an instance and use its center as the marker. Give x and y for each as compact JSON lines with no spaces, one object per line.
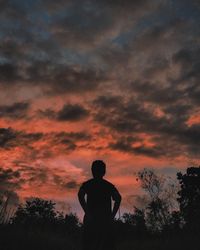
{"x":100,"y":80}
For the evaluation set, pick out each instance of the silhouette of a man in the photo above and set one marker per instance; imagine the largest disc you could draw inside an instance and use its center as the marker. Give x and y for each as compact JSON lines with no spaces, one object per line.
{"x":95,"y":197}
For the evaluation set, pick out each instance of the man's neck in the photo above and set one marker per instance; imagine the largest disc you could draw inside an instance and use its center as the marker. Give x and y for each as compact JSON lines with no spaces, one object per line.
{"x":98,"y":178}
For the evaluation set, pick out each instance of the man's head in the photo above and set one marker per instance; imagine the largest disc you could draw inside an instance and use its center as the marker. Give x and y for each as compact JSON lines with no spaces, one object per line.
{"x":98,"y":169}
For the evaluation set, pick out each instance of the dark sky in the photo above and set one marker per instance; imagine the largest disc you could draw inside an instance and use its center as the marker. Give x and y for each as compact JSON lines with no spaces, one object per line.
{"x":99,"y":79}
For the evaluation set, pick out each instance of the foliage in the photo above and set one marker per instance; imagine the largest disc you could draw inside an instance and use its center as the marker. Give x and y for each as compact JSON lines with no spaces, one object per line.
{"x":158,"y":225}
{"x":41,"y":214}
{"x":189,"y":197}
{"x":35,"y":212}
{"x":160,"y":199}
{"x":137,"y":219}
{"x":5,"y":208}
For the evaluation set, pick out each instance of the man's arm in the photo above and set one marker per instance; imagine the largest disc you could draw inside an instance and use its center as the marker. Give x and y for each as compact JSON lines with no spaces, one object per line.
{"x":81,"y":197}
{"x":117,"y":200}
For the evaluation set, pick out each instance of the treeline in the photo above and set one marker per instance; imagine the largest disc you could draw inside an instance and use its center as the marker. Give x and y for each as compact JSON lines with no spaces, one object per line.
{"x":167,"y":210}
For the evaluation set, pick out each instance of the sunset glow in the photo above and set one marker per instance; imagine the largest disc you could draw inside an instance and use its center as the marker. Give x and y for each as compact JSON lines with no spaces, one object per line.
{"x":99,"y":80}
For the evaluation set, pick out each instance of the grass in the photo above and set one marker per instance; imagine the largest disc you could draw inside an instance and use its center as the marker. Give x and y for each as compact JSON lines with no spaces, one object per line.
{"x":13,"y":238}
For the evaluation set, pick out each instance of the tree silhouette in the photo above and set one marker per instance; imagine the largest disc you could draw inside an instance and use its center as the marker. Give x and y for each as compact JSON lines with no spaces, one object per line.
{"x":35,"y":212}
{"x":137,"y":219}
{"x":134,"y":224}
{"x":159,"y":198}
{"x":72,"y":224}
{"x":189,"y":197}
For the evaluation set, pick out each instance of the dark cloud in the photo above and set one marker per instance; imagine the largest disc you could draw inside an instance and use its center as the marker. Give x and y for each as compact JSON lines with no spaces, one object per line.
{"x":36,"y":51}
{"x":12,"y":138}
{"x":69,"y":112}
{"x":52,"y":79}
{"x":130,"y":69}
{"x":65,"y":182}
{"x":189,"y":61}
{"x":158,"y":94}
{"x":15,"y":111}
{"x":71,"y":185}
{"x":127,"y":117}
{"x":70,"y":140}
{"x":47,"y":113}
{"x":76,"y":136}
{"x":70,"y":145}
{"x":8,"y":174}
{"x":6,"y":137}
{"x":72,"y":113}
{"x":10,"y":180}
{"x":32,"y":56}
{"x":8,"y":72}
{"x":58,"y":79}
{"x":143,"y":63}
{"x":92,"y":24}
{"x":161,"y":36}
{"x":107,"y":101}
{"x":36,"y":176}
{"x":169,"y":133}
{"x":162,"y":148}
{"x":126,"y":145}
{"x":39,"y":175}
{"x":43,"y":145}
{"x":196,"y":3}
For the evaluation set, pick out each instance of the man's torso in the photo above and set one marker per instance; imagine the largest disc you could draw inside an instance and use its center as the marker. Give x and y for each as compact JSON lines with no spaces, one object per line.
{"x":99,"y":194}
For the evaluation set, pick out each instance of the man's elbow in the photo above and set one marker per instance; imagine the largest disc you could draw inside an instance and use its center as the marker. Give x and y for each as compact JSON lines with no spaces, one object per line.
{"x":119,"y":199}
{"x":80,"y":195}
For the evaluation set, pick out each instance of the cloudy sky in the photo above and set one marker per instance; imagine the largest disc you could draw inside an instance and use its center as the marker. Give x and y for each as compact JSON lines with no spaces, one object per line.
{"x":116,"y":80}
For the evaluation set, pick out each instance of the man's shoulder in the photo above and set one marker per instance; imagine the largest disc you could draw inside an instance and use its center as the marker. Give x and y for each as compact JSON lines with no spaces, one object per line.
{"x":94,"y":182}
{"x":87,"y":183}
{"x":109,"y":184}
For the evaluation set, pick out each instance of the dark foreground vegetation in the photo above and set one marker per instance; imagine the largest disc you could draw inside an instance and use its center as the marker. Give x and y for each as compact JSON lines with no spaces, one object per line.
{"x":167,"y":217}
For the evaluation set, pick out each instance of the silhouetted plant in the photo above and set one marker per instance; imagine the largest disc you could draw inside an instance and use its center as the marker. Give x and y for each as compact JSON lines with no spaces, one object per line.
{"x":128,"y":218}
{"x":35,"y":212}
{"x":175,"y":224}
{"x":5,"y":211}
{"x":1,"y":209}
{"x":189,"y":197}
{"x":134,"y":223}
{"x":72,"y":223}
{"x":137,"y":219}
{"x":160,"y":199}
{"x":158,"y":215}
